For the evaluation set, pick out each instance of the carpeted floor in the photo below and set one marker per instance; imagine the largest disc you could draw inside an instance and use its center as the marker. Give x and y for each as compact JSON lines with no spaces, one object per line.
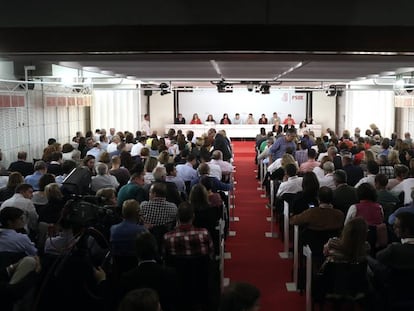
{"x":255,"y":258}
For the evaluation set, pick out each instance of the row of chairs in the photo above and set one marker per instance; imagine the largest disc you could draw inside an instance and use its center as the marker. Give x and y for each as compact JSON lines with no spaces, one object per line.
{"x":340,"y":283}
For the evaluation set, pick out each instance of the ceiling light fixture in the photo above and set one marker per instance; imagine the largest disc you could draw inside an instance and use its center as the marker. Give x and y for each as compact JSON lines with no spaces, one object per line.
{"x":265,"y":88}
{"x":165,"y":89}
{"x":223,"y":87}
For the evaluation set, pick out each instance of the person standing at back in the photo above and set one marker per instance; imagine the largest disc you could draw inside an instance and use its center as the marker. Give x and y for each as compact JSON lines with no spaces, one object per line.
{"x":279,"y":147}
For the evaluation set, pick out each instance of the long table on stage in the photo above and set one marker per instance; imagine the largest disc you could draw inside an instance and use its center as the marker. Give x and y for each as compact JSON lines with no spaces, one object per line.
{"x":233,"y":130}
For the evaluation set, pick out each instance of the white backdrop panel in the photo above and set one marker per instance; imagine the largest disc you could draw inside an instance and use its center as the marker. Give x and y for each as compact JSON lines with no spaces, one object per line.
{"x":205,"y":102}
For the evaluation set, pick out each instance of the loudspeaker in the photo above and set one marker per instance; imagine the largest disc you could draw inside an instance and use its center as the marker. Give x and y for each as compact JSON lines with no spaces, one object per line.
{"x":147,"y":92}
{"x":30,"y":86}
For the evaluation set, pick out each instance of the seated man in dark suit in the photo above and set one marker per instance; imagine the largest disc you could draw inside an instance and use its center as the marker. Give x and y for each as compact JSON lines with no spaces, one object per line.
{"x":394,"y":266}
{"x":150,"y":274}
{"x":354,"y":173}
{"x":179,"y":119}
{"x":21,"y":166}
{"x":400,"y":255}
{"x":344,"y":195}
{"x":204,"y":170}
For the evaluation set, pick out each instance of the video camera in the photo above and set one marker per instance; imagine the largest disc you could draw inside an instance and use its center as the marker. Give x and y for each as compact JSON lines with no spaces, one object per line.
{"x":87,"y":211}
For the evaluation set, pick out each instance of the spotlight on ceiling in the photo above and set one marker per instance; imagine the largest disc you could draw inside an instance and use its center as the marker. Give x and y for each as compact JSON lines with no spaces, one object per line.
{"x":250,"y":87}
{"x":165,"y":89}
{"x":265,"y":88}
{"x":331,"y":91}
{"x":223,"y":87}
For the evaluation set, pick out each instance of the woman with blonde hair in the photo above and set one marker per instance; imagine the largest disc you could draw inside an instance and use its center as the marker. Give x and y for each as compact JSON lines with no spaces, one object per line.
{"x":351,"y":246}
{"x":393,"y":158}
{"x":164,"y":157}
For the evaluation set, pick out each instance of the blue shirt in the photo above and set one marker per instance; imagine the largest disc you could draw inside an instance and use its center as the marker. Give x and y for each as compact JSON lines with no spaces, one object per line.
{"x":216,"y":184}
{"x":186,"y":172}
{"x":123,"y":237}
{"x":406,"y":209}
{"x":279,"y":147}
{"x":33,"y":180}
{"x":179,"y":182}
{"x":11,"y":241}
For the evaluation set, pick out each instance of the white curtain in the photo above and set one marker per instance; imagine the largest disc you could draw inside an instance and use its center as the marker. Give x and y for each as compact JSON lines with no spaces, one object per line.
{"x":120,"y":109}
{"x":366,"y":107}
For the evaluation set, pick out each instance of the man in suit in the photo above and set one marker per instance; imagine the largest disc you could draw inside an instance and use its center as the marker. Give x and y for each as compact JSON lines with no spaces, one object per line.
{"x":21,"y":166}
{"x":221,"y":143}
{"x":354,"y":173}
{"x":400,"y":255}
{"x":344,"y":195}
{"x":179,"y":119}
{"x":150,"y":274}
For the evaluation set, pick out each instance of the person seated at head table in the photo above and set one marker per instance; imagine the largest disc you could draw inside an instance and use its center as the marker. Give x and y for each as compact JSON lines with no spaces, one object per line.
{"x":237,"y":119}
{"x":210,"y":119}
{"x":225,"y":119}
{"x":179,"y":119}
{"x":250,"y":119}
{"x":289,"y":118}
{"x":195,"y":119}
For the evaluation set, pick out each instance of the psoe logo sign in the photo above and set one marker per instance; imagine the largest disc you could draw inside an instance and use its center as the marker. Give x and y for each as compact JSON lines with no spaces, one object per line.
{"x":298,"y":97}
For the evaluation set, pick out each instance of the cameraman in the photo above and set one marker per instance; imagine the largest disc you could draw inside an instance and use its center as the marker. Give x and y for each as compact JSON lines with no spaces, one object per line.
{"x":75,"y":278}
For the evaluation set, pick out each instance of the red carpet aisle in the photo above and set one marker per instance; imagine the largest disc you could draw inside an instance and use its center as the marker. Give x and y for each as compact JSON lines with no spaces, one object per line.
{"x":255,"y":258}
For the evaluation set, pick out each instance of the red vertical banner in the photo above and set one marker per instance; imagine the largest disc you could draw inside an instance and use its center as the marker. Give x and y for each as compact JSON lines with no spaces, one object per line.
{"x":51,"y":101}
{"x":21,"y":101}
{"x":61,"y":101}
{"x":71,"y":101}
{"x":17,"y":101}
{"x":80,"y":101}
{"x":5,"y":101}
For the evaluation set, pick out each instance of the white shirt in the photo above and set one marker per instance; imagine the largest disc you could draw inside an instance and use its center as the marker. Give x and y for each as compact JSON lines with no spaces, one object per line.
{"x":320,"y":173}
{"x":369,"y":179}
{"x":215,"y":170}
{"x":327,"y":181}
{"x":26,"y":205}
{"x":136,"y":149}
{"x":112,"y":147}
{"x":226,"y":167}
{"x":146,"y":127}
{"x":275,"y":165}
{"x":405,"y":186}
{"x":321,"y":155}
{"x":237,"y":121}
{"x":292,"y":185}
